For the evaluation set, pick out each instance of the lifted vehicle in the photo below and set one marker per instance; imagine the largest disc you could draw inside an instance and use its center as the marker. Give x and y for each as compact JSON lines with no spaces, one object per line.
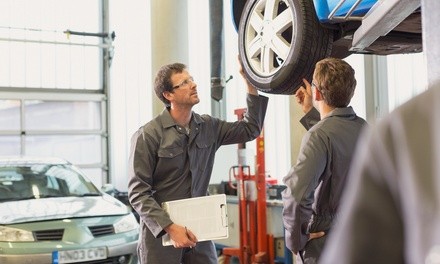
{"x":280,"y":41}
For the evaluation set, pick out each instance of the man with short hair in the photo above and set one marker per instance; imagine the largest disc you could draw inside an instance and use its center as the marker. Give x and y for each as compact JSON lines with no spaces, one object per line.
{"x":315,"y":183}
{"x":172,"y":158}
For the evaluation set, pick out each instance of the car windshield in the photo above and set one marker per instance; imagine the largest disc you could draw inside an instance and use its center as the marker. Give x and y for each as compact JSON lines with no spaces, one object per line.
{"x":36,"y":181}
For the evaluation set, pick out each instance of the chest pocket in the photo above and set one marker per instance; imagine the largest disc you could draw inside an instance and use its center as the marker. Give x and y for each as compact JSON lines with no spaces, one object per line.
{"x":170,"y":152}
{"x":205,"y":150}
{"x":170,"y":160}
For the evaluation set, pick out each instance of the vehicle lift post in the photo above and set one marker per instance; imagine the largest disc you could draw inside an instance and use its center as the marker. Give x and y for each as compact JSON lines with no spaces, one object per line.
{"x":256,"y":246}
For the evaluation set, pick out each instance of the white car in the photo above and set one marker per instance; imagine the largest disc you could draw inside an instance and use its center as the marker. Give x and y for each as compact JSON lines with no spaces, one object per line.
{"x":51,"y":213}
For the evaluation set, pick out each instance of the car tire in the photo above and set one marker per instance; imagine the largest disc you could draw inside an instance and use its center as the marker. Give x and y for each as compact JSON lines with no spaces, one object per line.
{"x":277,"y":56}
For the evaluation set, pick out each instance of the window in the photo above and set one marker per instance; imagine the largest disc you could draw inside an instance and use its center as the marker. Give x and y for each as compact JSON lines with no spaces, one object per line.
{"x":53,"y":99}
{"x":37,"y":51}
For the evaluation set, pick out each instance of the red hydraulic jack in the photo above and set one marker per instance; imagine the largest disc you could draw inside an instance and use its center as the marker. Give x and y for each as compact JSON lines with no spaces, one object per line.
{"x":256,"y":246}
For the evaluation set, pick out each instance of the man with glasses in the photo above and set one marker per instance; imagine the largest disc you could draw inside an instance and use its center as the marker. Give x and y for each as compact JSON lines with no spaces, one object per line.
{"x":172,"y":158}
{"x":315,"y":182}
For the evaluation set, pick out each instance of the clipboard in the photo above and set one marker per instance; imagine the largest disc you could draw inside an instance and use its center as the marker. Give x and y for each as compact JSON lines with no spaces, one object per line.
{"x":205,"y":216}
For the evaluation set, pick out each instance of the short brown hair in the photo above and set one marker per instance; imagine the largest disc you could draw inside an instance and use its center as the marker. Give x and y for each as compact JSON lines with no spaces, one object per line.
{"x":335,"y":80}
{"x":162,"y":82}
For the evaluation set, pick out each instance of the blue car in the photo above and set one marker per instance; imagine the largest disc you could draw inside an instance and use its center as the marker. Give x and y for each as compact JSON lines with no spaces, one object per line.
{"x":280,"y":41}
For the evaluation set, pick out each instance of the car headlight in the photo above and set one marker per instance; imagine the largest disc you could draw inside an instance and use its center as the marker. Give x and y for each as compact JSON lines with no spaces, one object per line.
{"x":8,"y":234}
{"x":127,"y":223}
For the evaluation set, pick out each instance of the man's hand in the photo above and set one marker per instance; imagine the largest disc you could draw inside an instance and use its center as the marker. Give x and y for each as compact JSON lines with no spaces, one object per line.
{"x":251,"y":89}
{"x":304,"y":96}
{"x":316,"y":235}
{"x":181,"y":237}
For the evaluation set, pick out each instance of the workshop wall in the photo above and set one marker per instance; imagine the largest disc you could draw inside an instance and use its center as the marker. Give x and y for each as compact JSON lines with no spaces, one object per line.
{"x":152,"y":33}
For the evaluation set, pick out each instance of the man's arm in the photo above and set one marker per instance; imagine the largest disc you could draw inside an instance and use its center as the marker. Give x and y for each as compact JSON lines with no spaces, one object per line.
{"x":248,"y":128}
{"x":251,"y":125}
{"x":310,"y":118}
{"x":141,"y":167}
{"x":250,"y":88}
{"x":304,"y":98}
{"x":298,"y":197}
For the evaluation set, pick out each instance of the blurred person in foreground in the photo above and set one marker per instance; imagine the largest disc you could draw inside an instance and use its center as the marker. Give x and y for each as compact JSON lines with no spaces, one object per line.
{"x":315,"y":182}
{"x":390,"y":212}
{"x":172,"y":157}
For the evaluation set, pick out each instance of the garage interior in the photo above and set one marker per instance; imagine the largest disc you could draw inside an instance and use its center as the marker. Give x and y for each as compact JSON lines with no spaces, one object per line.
{"x":76,"y":82}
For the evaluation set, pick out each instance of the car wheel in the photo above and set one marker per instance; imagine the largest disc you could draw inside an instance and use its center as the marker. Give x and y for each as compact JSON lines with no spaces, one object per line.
{"x":279,"y":43}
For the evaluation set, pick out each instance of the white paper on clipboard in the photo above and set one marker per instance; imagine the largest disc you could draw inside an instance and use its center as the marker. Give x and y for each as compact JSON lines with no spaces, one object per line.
{"x":205,"y":216}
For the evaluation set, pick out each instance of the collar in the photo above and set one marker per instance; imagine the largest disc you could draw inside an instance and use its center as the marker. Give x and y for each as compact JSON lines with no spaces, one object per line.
{"x":167,"y":121}
{"x":342,"y":111}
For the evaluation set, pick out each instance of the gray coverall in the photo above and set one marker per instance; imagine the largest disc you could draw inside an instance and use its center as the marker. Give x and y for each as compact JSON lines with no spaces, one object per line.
{"x":166,"y":163}
{"x":315,"y":183}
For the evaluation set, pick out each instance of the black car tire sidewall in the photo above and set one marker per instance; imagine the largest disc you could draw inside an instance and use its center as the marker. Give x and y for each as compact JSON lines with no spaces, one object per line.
{"x":311,"y":43}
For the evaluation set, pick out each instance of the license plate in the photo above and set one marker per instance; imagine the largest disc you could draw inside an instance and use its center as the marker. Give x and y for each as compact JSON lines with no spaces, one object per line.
{"x":79,"y":255}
